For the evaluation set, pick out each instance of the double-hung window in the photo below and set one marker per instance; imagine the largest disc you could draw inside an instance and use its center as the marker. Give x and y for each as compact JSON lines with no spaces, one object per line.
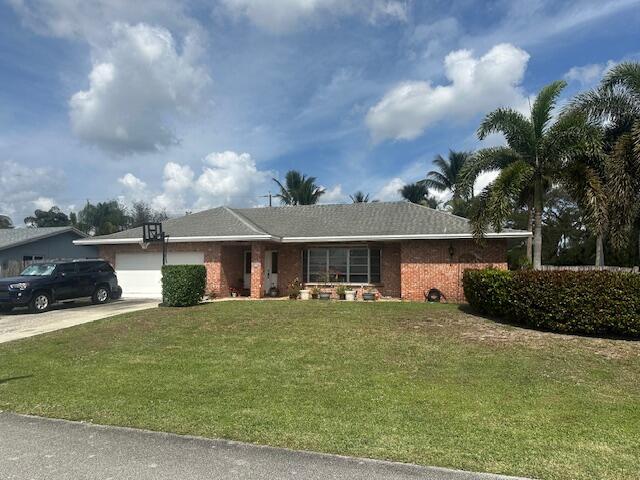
{"x":341,"y":265}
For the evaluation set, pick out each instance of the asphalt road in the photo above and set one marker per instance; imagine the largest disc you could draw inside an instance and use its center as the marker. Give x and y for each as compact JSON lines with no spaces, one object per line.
{"x":42,"y":449}
{"x":21,"y":324}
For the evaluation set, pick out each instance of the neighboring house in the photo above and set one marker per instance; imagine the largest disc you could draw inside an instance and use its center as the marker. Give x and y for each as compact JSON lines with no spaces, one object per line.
{"x":21,"y":246}
{"x":400,"y":248}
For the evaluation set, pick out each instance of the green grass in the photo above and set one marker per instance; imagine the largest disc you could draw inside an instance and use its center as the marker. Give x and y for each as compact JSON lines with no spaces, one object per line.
{"x":408,"y":382}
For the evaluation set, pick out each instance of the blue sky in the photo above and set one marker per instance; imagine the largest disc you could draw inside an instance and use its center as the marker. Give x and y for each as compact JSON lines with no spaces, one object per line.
{"x":196,"y":104}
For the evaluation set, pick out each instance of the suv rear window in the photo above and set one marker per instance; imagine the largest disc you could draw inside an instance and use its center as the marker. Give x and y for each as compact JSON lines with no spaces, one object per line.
{"x":67,"y":268}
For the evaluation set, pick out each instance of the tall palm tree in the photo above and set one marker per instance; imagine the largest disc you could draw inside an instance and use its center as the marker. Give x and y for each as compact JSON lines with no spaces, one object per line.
{"x":5,"y":222}
{"x":299,"y":189}
{"x":536,"y":148}
{"x":447,"y":175}
{"x":418,"y":193}
{"x":616,"y":105}
{"x":359,"y":197}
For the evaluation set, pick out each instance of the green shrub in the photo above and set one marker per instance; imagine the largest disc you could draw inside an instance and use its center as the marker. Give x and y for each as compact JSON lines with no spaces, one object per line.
{"x":183,"y":285}
{"x":488,"y":290}
{"x":591,"y":302}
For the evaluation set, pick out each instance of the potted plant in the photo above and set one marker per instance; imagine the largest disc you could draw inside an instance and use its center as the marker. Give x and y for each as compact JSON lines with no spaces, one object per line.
{"x":234,"y":292}
{"x":369,"y":294}
{"x":274,"y":292}
{"x":341,"y":291}
{"x":305,"y":294}
{"x":315,"y":291}
{"x":350,"y":295}
{"x":294,"y":289}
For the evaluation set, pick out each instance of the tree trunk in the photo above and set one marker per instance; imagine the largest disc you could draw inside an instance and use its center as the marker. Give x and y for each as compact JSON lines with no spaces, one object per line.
{"x":599,"y":252}
{"x":537,"y":231}
{"x":530,"y":239}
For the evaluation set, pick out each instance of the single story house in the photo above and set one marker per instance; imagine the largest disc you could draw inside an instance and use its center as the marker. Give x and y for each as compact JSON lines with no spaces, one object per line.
{"x":21,"y":246}
{"x":400,"y":248}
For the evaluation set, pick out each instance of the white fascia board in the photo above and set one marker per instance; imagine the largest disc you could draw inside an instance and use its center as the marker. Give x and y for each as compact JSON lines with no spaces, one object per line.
{"x":121,"y":241}
{"x":378,"y":238}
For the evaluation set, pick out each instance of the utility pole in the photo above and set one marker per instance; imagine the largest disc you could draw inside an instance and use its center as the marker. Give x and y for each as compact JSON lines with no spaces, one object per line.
{"x":267,"y":196}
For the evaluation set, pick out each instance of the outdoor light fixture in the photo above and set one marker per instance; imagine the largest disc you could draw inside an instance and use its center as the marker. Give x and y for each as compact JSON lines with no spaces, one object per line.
{"x":451,"y":250}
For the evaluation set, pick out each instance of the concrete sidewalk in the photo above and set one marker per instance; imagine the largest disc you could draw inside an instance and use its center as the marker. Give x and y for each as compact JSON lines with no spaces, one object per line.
{"x":21,"y":324}
{"x":43,"y":449}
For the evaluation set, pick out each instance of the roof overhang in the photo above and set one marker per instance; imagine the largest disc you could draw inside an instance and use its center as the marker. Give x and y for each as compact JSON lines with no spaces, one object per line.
{"x":228,"y":238}
{"x":328,"y":239}
{"x":44,"y":236}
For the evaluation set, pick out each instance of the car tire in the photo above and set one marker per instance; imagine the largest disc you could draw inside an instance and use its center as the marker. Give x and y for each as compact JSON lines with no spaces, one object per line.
{"x":40,"y":303}
{"x":101,"y":295}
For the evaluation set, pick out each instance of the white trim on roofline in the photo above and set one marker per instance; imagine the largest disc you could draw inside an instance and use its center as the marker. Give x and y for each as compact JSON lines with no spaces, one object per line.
{"x":418,"y":236}
{"x":342,"y":238}
{"x":219,"y":238}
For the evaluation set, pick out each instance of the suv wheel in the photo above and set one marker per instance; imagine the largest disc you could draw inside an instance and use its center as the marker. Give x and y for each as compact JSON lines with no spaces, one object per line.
{"x":40,"y":303}
{"x":101,"y":295}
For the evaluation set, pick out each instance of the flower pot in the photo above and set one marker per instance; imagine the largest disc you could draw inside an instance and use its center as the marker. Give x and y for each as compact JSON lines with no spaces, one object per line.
{"x":324,"y":296}
{"x":314,"y":296}
{"x":305,"y":294}
{"x":234,"y":294}
{"x":273,"y":292}
{"x":350,"y":295}
{"x":368,"y":296}
{"x":342,"y":296}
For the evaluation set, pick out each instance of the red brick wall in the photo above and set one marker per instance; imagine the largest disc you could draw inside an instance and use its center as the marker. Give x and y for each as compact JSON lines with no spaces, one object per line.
{"x":289,"y":265}
{"x":408,"y":268}
{"x":427,"y":264}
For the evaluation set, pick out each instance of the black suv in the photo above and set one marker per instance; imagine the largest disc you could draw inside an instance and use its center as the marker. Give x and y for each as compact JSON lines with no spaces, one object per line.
{"x":41,"y":284}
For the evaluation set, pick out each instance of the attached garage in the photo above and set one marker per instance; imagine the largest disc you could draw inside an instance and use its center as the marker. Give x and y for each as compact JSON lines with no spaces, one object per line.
{"x":140,"y":276}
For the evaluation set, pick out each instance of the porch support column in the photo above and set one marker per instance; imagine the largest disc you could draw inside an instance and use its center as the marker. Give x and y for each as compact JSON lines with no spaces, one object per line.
{"x":257,"y":270}
{"x":213,"y":265}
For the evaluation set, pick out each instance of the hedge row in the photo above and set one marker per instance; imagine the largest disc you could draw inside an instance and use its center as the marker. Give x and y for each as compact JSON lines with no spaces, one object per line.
{"x":183,"y":285}
{"x":590,"y":302}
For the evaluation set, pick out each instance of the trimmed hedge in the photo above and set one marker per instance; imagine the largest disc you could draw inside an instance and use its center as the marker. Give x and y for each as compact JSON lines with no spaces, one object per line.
{"x":590,"y":303}
{"x":183,"y":285}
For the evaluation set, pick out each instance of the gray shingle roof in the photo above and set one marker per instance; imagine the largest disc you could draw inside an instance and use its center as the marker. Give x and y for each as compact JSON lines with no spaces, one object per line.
{"x":221,"y":221}
{"x":291,"y":223}
{"x":11,"y":237}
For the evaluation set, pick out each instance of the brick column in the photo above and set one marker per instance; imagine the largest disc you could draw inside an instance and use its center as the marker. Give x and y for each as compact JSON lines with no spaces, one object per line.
{"x":213,"y":264}
{"x":257,"y":270}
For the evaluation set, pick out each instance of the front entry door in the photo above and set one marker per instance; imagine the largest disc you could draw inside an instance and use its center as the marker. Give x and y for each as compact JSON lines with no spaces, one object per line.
{"x":270,"y":270}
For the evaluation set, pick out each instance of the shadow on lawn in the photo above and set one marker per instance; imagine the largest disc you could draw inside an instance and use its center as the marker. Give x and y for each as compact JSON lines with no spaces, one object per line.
{"x":10,"y":379}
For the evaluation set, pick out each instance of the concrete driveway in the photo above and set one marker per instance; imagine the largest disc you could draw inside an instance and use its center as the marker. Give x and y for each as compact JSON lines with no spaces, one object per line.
{"x":20,"y":324}
{"x":42,"y":449}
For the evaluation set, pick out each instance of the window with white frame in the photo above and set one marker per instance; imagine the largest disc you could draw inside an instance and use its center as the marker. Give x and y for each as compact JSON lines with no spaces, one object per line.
{"x":341,"y":265}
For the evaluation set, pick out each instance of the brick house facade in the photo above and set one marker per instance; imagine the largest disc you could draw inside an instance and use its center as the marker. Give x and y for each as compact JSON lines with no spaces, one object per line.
{"x":408,"y":268}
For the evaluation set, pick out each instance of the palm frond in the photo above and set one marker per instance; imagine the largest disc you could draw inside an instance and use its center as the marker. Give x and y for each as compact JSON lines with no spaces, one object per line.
{"x":543,"y":106}
{"x":516,"y":128}
{"x":626,"y":74}
{"x":485,"y":160}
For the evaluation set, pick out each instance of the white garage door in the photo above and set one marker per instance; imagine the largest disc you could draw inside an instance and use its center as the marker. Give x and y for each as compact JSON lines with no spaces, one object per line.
{"x":139,"y":274}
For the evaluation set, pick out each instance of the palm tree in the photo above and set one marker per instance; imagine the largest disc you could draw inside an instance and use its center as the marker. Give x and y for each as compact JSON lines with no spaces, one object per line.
{"x":616,"y":105}
{"x":5,"y":222}
{"x":418,"y":193}
{"x":447,"y":175}
{"x":299,"y":189}
{"x":535,"y":151}
{"x":360,"y":197}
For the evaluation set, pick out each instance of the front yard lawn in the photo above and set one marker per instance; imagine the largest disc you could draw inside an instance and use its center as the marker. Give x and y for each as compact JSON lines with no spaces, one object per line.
{"x":402,"y":381}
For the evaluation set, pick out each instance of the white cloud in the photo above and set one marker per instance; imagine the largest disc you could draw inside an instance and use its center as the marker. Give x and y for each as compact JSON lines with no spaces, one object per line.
{"x":44,"y":203}
{"x":177,"y":181}
{"x":477,"y":85}
{"x":137,"y":86}
{"x":24,"y":189}
{"x":588,"y":75}
{"x":333,"y":195}
{"x":286,"y":15}
{"x":131,"y":182}
{"x":390,"y":191}
{"x":230,"y":178}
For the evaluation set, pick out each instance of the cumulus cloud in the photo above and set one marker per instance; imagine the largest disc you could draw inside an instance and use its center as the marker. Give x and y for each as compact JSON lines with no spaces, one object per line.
{"x":24,"y":189}
{"x":230,"y":178}
{"x":131,"y":182}
{"x":588,"y":75}
{"x":333,"y":195}
{"x":137,"y":85}
{"x":286,"y":15}
{"x":391,"y":190}
{"x":177,"y":181}
{"x":477,"y":85}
